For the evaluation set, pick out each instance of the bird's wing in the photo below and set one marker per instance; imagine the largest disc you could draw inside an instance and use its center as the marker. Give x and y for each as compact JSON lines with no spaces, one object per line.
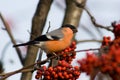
{"x":53,"y":35}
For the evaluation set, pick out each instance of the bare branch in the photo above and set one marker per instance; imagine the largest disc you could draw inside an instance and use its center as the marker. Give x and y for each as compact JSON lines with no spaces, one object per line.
{"x":73,"y":13}
{"x":7,"y":27}
{"x":92,"y":17}
{"x":81,"y":41}
{"x":87,"y":50}
{"x":48,"y":27}
{"x":40,"y":57}
{"x":25,"y":69}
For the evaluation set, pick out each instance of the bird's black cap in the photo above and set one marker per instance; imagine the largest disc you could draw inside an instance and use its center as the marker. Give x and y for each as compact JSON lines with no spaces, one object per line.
{"x":73,"y":28}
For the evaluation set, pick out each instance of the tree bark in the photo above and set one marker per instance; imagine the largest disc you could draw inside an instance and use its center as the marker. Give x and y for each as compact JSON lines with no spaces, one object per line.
{"x":38,"y":23}
{"x":73,"y":13}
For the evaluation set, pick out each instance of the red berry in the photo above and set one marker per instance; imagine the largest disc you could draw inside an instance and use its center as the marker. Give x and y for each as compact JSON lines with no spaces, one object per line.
{"x":37,"y":77}
{"x":76,"y":68}
{"x":50,"y":69}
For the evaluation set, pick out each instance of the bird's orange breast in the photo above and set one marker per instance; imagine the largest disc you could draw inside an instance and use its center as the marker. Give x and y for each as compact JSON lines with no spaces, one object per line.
{"x":58,"y":45}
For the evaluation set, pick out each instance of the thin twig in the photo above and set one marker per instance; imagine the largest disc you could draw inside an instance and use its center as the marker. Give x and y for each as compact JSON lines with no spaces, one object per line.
{"x":81,"y":41}
{"x":24,"y":69}
{"x":87,"y":50}
{"x":7,"y":27}
{"x":94,"y":21}
{"x":40,"y":56}
{"x":92,"y":17}
{"x":6,"y":75}
{"x":48,"y":27}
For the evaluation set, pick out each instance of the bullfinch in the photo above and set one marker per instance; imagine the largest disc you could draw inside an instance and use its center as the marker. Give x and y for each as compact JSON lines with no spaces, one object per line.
{"x":55,"y":40}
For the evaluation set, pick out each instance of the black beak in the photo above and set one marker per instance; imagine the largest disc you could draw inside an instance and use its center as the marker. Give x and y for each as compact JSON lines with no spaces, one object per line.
{"x":74,"y":30}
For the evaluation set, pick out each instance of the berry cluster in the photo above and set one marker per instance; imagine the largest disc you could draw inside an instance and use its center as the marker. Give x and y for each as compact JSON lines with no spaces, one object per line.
{"x":116,"y":29}
{"x":106,"y":41}
{"x":89,"y":64}
{"x":69,"y":53}
{"x":107,"y":63}
{"x":63,"y":71}
{"x":111,"y":61}
{"x":105,"y":45}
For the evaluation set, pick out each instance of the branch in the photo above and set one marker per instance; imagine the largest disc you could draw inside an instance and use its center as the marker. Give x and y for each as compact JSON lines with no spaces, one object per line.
{"x":48,"y":27}
{"x":38,"y":23}
{"x":73,"y":13}
{"x":30,"y":68}
{"x":7,"y":27}
{"x":81,"y":41}
{"x":87,"y":50}
{"x":25,"y":69}
{"x":92,"y":17}
{"x":40,"y":57}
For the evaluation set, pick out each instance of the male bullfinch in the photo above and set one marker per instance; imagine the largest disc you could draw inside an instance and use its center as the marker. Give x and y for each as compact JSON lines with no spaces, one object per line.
{"x":55,"y":40}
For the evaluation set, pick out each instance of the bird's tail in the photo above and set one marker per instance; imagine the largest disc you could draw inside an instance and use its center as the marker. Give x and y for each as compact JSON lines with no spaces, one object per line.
{"x":24,"y":44}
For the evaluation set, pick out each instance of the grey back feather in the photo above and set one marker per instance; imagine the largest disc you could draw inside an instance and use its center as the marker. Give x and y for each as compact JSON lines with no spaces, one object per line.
{"x":57,"y":34}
